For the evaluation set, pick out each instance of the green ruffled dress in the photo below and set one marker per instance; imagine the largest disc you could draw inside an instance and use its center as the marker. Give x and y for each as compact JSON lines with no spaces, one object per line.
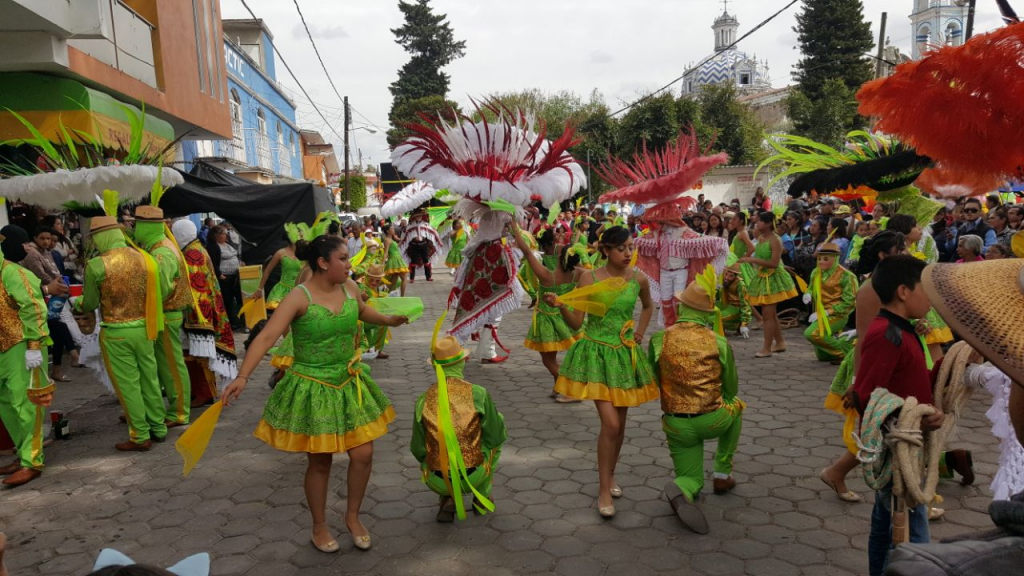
{"x":394,"y":263}
{"x":605,"y":364}
{"x":747,"y":271}
{"x":454,"y":258}
{"x":327,"y":402}
{"x":548,"y":330}
{"x":769,"y":286}
{"x":290,"y":268}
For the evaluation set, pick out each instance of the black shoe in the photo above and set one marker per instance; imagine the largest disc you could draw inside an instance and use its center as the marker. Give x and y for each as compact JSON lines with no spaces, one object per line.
{"x":961,"y":462}
{"x":687,"y":511}
{"x":446,"y":513}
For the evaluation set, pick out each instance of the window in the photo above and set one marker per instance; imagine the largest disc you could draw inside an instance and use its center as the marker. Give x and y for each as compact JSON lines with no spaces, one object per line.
{"x":261,"y":122}
{"x":924,"y":38}
{"x":280,"y":136}
{"x":953,"y":33}
{"x":236,"y":107}
{"x":745,"y":79}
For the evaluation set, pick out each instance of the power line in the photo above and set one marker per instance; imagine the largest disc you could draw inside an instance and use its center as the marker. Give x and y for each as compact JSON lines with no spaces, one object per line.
{"x":311,"y":41}
{"x":685,"y":74}
{"x":294,"y":77}
{"x":368,"y":121}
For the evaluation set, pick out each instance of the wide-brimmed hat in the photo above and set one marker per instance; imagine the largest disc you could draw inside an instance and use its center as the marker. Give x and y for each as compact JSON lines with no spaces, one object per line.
{"x":151,"y":213}
{"x":696,"y":297}
{"x":375,"y":271}
{"x":983,"y":302}
{"x":829,"y":249}
{"x":842,"y":209}
{"x":448,"y":351}
{"x":102,"y":223}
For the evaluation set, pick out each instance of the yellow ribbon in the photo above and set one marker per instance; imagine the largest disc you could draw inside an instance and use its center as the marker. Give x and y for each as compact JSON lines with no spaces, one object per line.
{"x":823,"y":324}
{"x":154,"y":300}
{"x":579,"y":298}
{"x":629,"y":342}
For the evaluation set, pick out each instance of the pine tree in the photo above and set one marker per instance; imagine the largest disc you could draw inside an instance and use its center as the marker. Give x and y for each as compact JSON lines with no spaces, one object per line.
{"x":429,"y":38}
{"x":834,"y":40}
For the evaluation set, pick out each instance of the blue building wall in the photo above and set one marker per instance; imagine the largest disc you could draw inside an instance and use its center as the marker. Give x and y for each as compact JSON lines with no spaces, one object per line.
{"x":257,"y":92}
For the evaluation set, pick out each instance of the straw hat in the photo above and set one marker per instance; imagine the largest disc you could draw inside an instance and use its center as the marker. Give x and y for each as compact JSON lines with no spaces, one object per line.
{"x":843,"y":209}
{"x":448,"y":351}
{"x":829,"y":248}
{"x":102,"y":223}
{"x":987,"y":313}
{"x":375,"y":271}
{"x":149,"y":213}
{"x":696,"y":297}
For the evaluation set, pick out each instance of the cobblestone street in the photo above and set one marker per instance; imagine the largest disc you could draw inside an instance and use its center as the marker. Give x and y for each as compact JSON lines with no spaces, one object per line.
{"x":244,"y":502}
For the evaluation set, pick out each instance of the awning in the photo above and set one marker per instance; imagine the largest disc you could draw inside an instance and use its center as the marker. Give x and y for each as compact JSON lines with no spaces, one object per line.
{"x":48,"y":101}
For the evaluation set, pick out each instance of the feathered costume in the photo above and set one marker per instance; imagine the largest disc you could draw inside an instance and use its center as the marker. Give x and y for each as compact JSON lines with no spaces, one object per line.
{"x":674,"y":254}
{"x":491,"y":164}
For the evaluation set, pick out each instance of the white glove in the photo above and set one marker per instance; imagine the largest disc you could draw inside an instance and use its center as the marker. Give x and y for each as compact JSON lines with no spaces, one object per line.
{"x":807,"y":298}
{"x":745,"y":332}
{"x":812,"y":318}
{"x":848,"y":335}
{"x":33,"y":359}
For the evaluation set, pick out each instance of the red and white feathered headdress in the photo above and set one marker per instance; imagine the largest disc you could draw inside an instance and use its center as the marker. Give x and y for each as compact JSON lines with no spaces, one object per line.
{"x":508,"y":158}
{"x":662,"y":178}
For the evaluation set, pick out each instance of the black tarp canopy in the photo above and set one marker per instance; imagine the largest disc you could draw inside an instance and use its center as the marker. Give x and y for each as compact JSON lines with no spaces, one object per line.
{"x":258,"y":211}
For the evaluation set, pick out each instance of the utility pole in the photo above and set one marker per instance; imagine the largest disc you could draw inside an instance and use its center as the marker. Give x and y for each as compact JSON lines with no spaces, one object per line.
{"x":881,"y":46}
{"x":970,"y":20}
{"x":348,"y":119}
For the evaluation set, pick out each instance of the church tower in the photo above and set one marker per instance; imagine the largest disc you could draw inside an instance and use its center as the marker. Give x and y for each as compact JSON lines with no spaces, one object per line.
{"x":725,"y":28}
{"x":936,"y":23}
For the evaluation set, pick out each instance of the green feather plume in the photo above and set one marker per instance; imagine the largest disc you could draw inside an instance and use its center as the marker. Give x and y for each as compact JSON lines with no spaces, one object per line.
{"x":157,"y":192}
{"x":709,"y":282}
{"x":109,"y":202}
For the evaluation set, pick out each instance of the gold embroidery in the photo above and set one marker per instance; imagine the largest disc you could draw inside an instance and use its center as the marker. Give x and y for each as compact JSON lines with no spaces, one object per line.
{"x":11,"y":328}
{"x":832,"y":291}
{"x":691,"y":375}
{"x":180,"y":297}
{"x":465,"y":419}
{"x":123,"y":293}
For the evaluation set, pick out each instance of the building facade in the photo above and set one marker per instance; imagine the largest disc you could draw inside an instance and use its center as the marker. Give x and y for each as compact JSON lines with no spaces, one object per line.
{"x":727,"y":65}
{"x":79,"y":61}
{"x":265,"y":143}
{"x":319,"y":162}
{"x":936,"y":23}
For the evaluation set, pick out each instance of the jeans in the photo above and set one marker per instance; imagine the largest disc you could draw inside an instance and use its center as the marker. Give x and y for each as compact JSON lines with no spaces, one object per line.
{"x":880,"y":538}
{"x":231,"y":292}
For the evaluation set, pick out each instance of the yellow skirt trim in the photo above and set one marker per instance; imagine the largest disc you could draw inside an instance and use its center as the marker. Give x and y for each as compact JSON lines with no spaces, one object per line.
{"x":769,"y":299}
{"x":939,"y":336}
{"x":834,"y":402}
{"x":559,"y":346}
{"x":391,"y":271}
{"x":282,"y":362}
{"x":453,"y":265}
{"x":325,"y":443}
{"x":599,"y":391}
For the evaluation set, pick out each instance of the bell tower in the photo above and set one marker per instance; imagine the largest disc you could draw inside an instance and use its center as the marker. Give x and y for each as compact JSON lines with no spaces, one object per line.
{"x":725,"y":28}
{"x":936,"y":23}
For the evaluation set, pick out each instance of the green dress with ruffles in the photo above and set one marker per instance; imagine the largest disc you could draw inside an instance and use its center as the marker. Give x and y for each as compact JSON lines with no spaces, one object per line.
{"x":769,"y":285}
{"x":548,"y":331}
{"x":290,"y":268}
{"x":394,"y":263}
{"x":326,"y":402}
{"x":604,"y":364}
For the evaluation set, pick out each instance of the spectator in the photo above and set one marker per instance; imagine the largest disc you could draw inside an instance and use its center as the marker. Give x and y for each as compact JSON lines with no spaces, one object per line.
{"x":700,"y":224}
{"x":708,"y":206}
{"x":806,"y":260}
{"x":879,"y":211}
{"x":798,"y":236}
{"x":837,"y":231}
{"x":973,"y":224}
{"x":999,"y":220}
{"x":716,"y":227}
{"x":41,"y":263}
{"x":761,"y":202}
{"x":998,"y":252}
{"x":969,"y":249}
{"x":1015,"y":217}
{"x":204,"y":233}
{"x":225,"y":265}
{"x":827,"y":208}
{"x":67,"y":261}
{"x":992,"y":202}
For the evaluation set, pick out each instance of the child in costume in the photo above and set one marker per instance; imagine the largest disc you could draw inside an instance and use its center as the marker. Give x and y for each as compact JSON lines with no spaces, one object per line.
{"x":25,"y":388}
{"x":772,"y":283}
{"x":697,"y":372}
{"x":733,"y":301}
{"x":604,"y":365}
{"x":123,"y":283}
{"x":372,"y":285}
{"x":548,"y":333}
{"x":326,"y":403}
{"x":394,"y":265}
{"x":151,"y":235}
{"x":459,"y":239}
{"x":472,"y":418}
{"x":833,"y":289}
{"x":290,"y":268}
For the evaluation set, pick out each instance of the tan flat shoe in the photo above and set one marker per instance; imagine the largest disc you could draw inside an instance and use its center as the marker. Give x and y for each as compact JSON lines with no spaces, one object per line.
{"x":329,"y":548}
{"x":848,"y":496}
{"x":616,"y":492}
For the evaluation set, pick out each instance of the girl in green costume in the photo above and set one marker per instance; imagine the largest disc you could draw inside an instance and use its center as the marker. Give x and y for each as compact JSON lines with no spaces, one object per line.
{"x":742,"y":246}
{"x":459,"y":238}
{"x":395,"y":267}
{"x":327,"y":403}
{"x":605,"y":365}
{"x":772,"y":283}
{"x":290,"y":268}
{"x":549,"y":334}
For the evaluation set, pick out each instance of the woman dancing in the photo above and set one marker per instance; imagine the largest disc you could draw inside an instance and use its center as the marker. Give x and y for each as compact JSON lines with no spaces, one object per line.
{"x":290,"y":268}
{"x":395,"y":267}
{"x":605,"y":365}
{"x":771,"y":285}
{"x":326,"y":403}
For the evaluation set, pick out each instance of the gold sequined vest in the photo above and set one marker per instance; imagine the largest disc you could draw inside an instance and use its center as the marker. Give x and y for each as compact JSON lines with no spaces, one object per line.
{"x":181,"y":295}
{"x":732,"y":294}
{"x":691,"y":374}
{"x":832,"y":290}
{"x":123,"y":291}
{"x":465,"y":419}
{"x":11,"y":328}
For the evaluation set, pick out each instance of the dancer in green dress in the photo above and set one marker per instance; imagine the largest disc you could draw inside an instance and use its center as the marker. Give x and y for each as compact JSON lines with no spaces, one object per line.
{"x":290,"y":268}
{"x":394,"y":265}
{"x":549,"y":334}
{"x":326,"y":403}
{"x":833,"y":290}
{"x":742,"y":247}
{"x":772,"y":283}
{"x":605,"y":365}
{"x":459,"y":238}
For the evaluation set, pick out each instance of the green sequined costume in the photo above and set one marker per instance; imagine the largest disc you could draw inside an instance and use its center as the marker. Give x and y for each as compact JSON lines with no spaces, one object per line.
{"x":769,"y":285}
{"x":290,"y":268}
{"x":327,"y":402}
{"x":604,"y":363}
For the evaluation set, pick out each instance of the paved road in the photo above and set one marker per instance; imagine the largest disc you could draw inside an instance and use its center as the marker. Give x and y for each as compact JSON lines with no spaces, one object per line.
{"x":244,"y":503}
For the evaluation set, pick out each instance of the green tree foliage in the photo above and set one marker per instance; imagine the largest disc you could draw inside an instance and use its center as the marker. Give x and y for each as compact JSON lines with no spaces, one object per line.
{"x":737,"y":130}
{"x":828,"y":119}
{"x":430,"y":40}
{"x":834,"y":39}
{"x":356,"y":191}
{"x":408,"y":112}
{"x":652,"y":122}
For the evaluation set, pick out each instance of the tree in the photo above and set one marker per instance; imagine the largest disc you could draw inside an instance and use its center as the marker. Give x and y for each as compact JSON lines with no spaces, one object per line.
{"x":431,"y":41}
{"x":356,"y":192}
{"x":408,"y":112}
{"x":653,"y":122}
{"x":737,"y":130}
{"x":828,"y":119}
{"x":834,"y":39}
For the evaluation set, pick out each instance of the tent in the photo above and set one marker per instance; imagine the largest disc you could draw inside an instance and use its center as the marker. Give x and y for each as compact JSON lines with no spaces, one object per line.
{"x":258,"y":211}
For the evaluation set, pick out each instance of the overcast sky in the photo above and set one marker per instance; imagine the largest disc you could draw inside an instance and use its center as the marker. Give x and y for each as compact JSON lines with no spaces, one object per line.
{"x":621,"y":48}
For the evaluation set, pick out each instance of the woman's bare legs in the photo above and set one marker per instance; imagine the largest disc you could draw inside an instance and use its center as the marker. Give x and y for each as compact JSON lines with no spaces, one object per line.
{"x":609,"y":441}
{"x":770,"y":321}
{"x":839,"y":469}
{"x":359,"y":466}
{"x":318,"y":475}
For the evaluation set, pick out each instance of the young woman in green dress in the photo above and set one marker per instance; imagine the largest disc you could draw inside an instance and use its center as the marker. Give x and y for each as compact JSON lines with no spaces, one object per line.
{"x":326,"y":403}
{"x":549,"y":334}
{"x":290,"y":268}
{"x":771,"y":284}
{"x":395,"y":267}
{"x":459,"y":239}
{"x":742,"y":246}
{"x":606,"y":364}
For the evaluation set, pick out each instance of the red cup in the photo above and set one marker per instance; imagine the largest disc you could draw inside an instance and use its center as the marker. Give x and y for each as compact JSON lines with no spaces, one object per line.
{"x":75,"y":289}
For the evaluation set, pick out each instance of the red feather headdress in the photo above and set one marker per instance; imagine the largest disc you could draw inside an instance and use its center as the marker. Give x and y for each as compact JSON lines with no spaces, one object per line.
{"x":508,"y":159}
{"x":662,"y":178}
{"x":959,"y":106}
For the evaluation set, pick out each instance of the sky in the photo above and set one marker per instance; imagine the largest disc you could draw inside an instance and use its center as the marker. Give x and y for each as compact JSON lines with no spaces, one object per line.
{"x":623,"y":49}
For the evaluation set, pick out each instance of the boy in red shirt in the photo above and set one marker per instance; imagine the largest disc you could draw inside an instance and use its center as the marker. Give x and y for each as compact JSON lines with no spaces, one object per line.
{"x":894,"y":360}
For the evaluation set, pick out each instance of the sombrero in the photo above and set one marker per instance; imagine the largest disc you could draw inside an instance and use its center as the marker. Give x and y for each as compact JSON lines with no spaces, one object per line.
{"x":829,"y":248}
{"x":987,"y":314}
{"x":448,"y":351}
{"x":696,"y":297}
{"x":375,"y":271}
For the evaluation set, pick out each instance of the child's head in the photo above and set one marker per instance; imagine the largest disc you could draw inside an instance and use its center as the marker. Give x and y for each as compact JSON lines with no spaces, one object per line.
{"x":897,"y":281}
{"x":997,"y":252}
{"x":827,"y":255}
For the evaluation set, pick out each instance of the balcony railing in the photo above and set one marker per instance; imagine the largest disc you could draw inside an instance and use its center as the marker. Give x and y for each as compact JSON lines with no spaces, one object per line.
{"x":284,"y":161}
{"x":264,"y":159}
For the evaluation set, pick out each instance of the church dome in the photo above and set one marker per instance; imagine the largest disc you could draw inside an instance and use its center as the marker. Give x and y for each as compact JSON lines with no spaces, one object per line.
{"x":726,"y":64}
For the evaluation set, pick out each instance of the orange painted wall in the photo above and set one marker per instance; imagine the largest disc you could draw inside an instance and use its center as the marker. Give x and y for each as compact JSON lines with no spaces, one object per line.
{"x":174,"y":52}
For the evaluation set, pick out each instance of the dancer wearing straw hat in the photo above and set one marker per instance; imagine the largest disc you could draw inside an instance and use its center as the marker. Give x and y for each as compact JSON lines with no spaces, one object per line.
{"x":733,"y":301}
{"x":373,"y":285}
{"x":833,"y":290}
